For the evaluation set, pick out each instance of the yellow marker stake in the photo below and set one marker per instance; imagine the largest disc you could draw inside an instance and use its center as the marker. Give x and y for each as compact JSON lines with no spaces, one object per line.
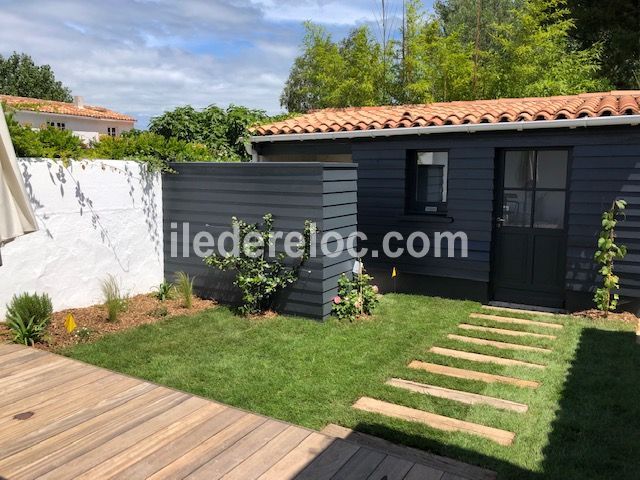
{"x":70,"y":323}
{"x":394,"y":274}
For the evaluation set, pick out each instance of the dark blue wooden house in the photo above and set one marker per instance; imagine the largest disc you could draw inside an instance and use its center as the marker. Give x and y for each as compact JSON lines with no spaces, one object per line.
{"x":526,"y":179}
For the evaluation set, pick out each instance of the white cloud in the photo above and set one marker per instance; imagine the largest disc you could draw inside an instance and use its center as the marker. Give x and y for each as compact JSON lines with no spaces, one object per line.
{"x":143,"y":57}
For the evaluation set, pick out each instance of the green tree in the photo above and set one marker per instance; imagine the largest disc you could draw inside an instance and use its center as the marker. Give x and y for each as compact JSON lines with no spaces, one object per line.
{"x":315,"y":76}
{"x":362,"y":73}
{"x":615,"y":24}
{"x":225,"y":132}
{"x":534,"y":55}
{"x":20,"y":76}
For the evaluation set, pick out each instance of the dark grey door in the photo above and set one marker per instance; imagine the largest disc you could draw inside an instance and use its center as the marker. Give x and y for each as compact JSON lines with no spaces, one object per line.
{"x":529,"y":249}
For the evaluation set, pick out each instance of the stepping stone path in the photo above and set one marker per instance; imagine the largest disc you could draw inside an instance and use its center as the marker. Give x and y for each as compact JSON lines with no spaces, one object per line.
{"x":441,"y":422}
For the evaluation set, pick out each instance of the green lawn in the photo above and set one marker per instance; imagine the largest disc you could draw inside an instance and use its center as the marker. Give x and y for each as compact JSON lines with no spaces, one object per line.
{"x":583,"y":421}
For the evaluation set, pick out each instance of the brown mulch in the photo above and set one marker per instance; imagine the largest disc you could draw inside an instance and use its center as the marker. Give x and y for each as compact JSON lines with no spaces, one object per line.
{"x":141,"y":310}
{"x":596,"y":314}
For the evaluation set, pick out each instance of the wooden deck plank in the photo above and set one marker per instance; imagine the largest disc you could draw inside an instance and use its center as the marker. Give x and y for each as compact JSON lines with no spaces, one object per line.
{"x":516,"y":321}
{"x":471,"y":374}
{"x":210,"y":448}
{"x":271,"y":453}
{"x":391,"y":468}
{"x":327,"y":464}
{"x":518,"y":310}
{"x":6,"y":348}
{"x":39,"y":457}
{"x":415,"y":455}
{"x":83,"y":464}
{"x":502,"y":331}
{"x":151,"y":443}
{"x":360,"y":465}
{"x":167,"y":454}
{"x":289,"y":466}
{"x":477,"y":357}
{"x":495,"y":344}
{"x":90,"y":423}
{"x":238,"y":452}
{"x":457,"y":395}
{"x":439,"y":422}
{"x":419,"y":472}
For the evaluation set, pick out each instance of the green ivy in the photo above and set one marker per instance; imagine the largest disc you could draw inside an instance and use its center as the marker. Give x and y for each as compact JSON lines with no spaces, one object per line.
{"x":259,"y":277}
{"x":606,"y":253}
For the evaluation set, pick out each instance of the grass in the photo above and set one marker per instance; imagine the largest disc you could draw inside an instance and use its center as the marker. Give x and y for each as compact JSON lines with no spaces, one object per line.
{"x":583,"y":421}
{"x":114,"y":301}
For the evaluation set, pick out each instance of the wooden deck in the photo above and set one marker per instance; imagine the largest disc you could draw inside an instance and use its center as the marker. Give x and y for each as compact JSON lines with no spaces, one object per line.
{"x":62,"y":419}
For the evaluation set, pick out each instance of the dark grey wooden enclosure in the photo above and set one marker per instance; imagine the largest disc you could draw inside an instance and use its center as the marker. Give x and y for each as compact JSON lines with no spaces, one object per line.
{"x":207,"y":195}
{"x":604,"y":164}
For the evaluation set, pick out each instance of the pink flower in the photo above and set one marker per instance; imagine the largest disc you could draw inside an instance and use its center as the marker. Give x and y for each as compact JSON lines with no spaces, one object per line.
{"x":375,"y":289}
{"x":337,"y":299}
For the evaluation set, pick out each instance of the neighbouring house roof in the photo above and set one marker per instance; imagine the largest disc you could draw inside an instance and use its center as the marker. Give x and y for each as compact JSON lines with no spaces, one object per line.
{"x":63,"y":108}
{"x":566,"y":107}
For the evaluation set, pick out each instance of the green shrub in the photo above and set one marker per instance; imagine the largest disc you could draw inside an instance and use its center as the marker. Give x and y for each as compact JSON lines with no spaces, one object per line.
{"x":31,"y":305}
{"x":184,"y":287}
{"x":259,"y":277}
{"x":114,"y":300}
{"x":355,"y":297}
{"x":164,"y":291}
{"x":159,"y":312}
{"x":607,"y":252}
{"x":27,"y":330}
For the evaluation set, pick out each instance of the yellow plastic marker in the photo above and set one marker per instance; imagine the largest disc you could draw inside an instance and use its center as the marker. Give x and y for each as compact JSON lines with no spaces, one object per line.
{"x":70,"y":323}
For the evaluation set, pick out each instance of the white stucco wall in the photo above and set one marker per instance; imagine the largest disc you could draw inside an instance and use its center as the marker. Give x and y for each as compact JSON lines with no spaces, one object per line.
{"x":96,"y":218}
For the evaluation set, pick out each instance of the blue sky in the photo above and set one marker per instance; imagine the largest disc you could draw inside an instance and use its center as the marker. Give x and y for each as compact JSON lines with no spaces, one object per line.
{"x":143,"y":57}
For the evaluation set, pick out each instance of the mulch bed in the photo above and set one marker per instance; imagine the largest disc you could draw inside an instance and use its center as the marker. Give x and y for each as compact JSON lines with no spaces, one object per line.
{"x":595,"y":314}
{"x":141,"y":310}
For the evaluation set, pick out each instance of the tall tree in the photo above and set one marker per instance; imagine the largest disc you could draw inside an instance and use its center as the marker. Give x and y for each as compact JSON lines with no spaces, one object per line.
{"x":362,"y":76}
{"x":534,"y":55}
{"x":315,"y":75}
{"x":616,"y":24}
{"x":20,"y":76}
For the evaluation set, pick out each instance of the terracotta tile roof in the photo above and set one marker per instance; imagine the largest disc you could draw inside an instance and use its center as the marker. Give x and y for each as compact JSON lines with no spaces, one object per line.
{"x":63,"y":108}
{"x":456,"y":113}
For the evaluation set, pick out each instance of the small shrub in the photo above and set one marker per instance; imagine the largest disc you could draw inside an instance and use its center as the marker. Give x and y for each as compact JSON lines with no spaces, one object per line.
{"x":114,"y":301}
{"x":355,"y":297}
{"x":607,"y":252}
{"x":82,"y":334}
{"x":31,"y":305}
{"x":164,"y":291}
{"x":160,"y":311}
{"x":28,"y":330}
{"x":184,"y":287}
{"x":259,"y":277}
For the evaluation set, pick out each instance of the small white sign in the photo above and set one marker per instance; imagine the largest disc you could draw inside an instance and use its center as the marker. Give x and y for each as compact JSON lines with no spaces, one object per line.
{"x":357,"y":267}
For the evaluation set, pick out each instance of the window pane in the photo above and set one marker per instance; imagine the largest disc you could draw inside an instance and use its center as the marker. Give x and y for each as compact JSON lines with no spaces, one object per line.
{"x":516,"y":208}
{"x":552,"y":169}
{"x":429,"y":183}
{"x":519,"y":169}
{"x":549,"y":212}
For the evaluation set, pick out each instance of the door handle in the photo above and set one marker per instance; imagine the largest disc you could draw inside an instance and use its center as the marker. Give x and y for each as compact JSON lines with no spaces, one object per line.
{"x":500,"y":221}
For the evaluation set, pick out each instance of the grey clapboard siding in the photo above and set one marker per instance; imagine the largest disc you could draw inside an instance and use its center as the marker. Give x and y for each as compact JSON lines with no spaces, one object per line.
{"x":605,"y":164}
{"x":207,"y":195}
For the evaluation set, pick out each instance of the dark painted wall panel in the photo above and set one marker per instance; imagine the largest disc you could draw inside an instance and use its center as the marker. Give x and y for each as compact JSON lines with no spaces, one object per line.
{"x":208,"y":195}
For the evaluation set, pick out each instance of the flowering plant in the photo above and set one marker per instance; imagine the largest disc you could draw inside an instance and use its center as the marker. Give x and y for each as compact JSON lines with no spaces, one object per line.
{"x":355,"y":297}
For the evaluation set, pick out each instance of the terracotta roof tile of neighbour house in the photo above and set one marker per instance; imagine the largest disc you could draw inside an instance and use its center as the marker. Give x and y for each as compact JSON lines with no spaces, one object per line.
{"x":616,"y":103}
{"x":63,"y":108}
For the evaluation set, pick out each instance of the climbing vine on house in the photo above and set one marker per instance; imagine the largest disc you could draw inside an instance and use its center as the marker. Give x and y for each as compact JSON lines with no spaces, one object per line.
{"x":608,"y":251}
{"x":259,"y":276}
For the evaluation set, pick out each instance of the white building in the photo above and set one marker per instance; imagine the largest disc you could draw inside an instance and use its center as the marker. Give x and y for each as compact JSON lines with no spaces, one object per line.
{"x":86,"y":121}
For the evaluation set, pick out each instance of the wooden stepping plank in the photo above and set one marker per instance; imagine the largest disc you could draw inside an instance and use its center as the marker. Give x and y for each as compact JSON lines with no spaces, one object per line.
{"x":500,"y":345}
{"x":457,"y":395}
{"x":477,"y":357}
{"x":420,"y":457}
{"x":502,"y":331}
{"x":471,"y":375}
{"x":517,"y":310}
{"x":515,"y":321}
{"x":439,"y":422}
